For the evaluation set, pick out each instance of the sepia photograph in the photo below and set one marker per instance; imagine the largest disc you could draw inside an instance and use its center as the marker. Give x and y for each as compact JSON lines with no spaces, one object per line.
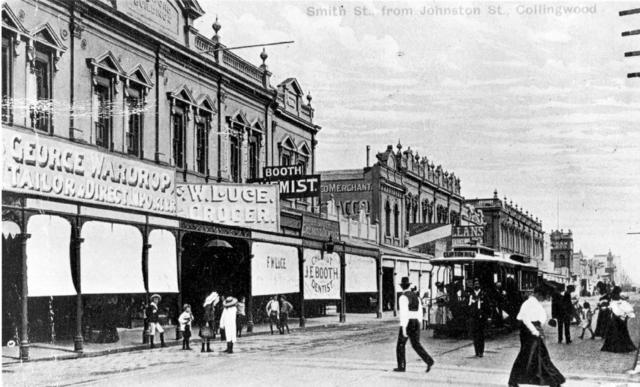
{"x":320,"y":193}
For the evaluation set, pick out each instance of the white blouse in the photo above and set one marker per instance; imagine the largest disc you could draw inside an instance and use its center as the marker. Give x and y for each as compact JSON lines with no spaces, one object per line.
{"x":622,"y":309}
{"x":530,"y":311}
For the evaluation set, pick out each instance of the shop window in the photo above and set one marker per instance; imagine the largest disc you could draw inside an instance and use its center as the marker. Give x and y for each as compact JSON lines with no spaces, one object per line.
{"x":387,"y":219}
{"x":396,"y":221}
{"x":178,"y":119}
{"x":135,"y":110}
{"x":7,"y":77}
{"x":43,"y":71}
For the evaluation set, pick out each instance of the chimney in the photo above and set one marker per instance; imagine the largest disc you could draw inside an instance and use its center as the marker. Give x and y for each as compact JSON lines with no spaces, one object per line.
{"x":368,"y":149}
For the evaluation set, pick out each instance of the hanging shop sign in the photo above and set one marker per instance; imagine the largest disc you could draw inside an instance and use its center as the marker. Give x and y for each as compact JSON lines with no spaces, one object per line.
{"x":290,"y":181}
{"x":360,"y":274}
{"x":319,"y":228}
{"x":274,"y":269}
{"x":243,"y":205}
{"x":42,"y":166}
{"x":321,"y":273}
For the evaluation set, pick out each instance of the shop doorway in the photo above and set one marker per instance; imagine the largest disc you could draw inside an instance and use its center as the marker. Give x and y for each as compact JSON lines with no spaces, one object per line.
{"x":387,"y":288}
{"x":211,"y":263}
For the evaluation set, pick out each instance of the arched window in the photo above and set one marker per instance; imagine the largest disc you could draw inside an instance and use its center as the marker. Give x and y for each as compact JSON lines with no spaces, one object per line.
{"x":235,"y":145}
{"x":408,"y":211}
{"x":387,"y":219}
{"x":255,"y":136}
{"x":396,"y":221}
{"x":415,"y":212}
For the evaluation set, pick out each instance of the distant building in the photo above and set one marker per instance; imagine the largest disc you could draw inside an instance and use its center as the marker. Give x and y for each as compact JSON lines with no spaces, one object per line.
{"x":511,"y":229}
{"x":562,"y":249}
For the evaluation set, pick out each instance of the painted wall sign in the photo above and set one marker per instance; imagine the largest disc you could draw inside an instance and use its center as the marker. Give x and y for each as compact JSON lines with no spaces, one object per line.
{"x":44,"y":166}
{"x":318,"y":228}
{"x":321,"y":275}
{"x":274,"y":269}
{"x":158,"y":14}
{"x":349,"y":186}
{"x":243,"y":205}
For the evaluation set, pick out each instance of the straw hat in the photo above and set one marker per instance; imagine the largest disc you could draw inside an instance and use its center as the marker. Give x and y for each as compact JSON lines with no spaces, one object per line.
{"x":156,"y":295}
{"x":229,"y":302}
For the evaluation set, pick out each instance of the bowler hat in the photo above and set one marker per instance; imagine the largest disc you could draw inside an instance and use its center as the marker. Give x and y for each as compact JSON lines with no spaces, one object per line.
{"x":476,"y":282}
{"x":404,"y":282}
{"x":439,"y":284}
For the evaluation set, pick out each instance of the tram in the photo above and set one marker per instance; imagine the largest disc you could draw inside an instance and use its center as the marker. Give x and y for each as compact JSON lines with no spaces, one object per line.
{"x":505,"y":278}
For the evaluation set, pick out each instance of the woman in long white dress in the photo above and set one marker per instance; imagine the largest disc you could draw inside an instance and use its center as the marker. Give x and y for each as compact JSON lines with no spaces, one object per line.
{"x":533,"y":364}
{"x":616,"y":336}
{"x":228,"y":322}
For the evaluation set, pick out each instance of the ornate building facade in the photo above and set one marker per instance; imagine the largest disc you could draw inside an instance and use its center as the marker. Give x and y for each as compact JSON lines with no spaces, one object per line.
{"x":400,"y":189}
{"x":511,"y":229}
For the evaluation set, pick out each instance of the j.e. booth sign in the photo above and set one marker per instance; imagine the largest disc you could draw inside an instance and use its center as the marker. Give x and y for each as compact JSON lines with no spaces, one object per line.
{"x":243,"y":205}
{"x":321,"y":275}
{"x":42,"y":166}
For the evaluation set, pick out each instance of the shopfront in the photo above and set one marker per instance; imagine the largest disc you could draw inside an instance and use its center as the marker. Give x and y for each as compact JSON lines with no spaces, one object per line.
{"x":86,"y":237}
{"x":397,"y":264}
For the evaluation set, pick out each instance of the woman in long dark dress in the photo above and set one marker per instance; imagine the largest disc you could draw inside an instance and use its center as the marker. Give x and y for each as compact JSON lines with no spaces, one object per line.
{"x":616,"y":336}
{"x":604,"y":315}
{"x":533,"y":364}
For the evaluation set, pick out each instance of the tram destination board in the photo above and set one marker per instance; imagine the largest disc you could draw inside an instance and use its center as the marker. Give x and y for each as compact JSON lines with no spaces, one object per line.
{"x":291,"y":181}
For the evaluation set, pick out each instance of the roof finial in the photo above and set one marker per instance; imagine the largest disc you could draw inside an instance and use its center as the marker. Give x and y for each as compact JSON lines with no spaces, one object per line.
{"x":216,"y":27}
{"x":399,"y":146}
{"x":264,"y":56}
{"x":309,"y":98}
{"x":495,"y":193}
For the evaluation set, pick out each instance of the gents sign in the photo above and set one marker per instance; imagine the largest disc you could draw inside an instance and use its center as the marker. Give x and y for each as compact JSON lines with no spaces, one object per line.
{"x":321,"y":275}
{"x":467,"y":231}
{"x":274,"y":269}
{"x":243,"y":205}
{"x":42,"y":166}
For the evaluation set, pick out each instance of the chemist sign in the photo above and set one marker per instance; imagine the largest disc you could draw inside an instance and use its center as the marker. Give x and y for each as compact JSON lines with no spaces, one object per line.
{"x":243,"y":205}
{"x":291,"y":181}
{"x":321,"y":273}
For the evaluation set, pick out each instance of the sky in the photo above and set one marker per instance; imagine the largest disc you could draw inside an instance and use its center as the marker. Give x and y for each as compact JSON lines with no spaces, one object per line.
{"x":530,"y":99}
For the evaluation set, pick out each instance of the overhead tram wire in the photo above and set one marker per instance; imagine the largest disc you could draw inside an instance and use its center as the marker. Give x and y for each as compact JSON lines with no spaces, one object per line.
{"x":247,"y":46}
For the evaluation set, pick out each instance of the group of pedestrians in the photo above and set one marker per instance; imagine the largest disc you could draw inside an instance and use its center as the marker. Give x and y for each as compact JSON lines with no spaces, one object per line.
{"x":533,"y":364}
{"x":278,"y":310}
{"x":224,"y":315}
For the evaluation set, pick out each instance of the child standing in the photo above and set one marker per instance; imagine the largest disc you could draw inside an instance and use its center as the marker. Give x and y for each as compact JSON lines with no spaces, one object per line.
{"x":587,"y":315}
{"x":185,"y":320}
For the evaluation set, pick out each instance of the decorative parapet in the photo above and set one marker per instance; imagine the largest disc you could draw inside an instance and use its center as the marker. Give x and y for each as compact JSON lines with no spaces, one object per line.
{"x":228,"y":59}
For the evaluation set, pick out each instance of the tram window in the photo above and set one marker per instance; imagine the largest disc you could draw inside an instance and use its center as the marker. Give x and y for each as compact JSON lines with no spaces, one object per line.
{"x":457,"y":271}
{"x":495,"y":277}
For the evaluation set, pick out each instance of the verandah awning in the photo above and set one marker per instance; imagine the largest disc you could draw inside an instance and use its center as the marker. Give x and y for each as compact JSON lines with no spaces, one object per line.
{"x":111,"y":259}
{"x":48,"y":257}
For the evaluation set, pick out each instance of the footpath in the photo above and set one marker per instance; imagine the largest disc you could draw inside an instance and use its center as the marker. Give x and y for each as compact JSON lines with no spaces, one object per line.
{"x":131,"y":339}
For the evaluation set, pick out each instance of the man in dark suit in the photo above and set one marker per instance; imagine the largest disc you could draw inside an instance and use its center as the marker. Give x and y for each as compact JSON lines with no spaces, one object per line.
{"x":564,"y":318}
{"x":478,"y":313}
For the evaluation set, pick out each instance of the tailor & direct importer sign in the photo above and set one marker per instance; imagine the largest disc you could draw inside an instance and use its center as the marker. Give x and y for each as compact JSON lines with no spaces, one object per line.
{"x":39,"y":165}
{"x":243,"y":205}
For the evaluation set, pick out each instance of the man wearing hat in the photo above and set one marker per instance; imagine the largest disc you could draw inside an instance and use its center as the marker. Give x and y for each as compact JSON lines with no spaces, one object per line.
{"x":154,"y":321}
{"x":410,"y":313}
{"x":228,"y":321}
{"x":478,"y":313}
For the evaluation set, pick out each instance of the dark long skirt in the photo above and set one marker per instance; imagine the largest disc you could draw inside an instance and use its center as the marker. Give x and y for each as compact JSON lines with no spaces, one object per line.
{"x":601,"y":322}
{"x":533,"y":364}
{"x":616,"y":336}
